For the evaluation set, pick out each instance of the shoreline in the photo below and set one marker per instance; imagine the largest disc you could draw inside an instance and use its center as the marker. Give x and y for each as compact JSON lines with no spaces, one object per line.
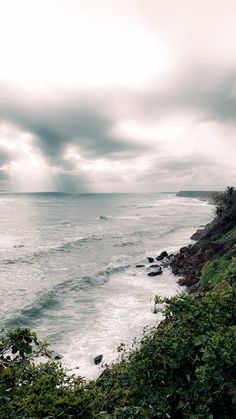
{"x":184,"y":265}
{"x":188,"y":262}
{"x":182,"y":368}
{"x":166,"y":263}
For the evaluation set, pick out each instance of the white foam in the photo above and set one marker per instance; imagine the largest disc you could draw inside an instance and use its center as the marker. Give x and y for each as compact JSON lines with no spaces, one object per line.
{"x":123,"y":308}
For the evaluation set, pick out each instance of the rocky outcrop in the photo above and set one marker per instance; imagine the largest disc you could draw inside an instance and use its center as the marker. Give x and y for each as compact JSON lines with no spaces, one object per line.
{"x":188,"y":263}
{"x":162,"y":255}
{"x":98,"y":359}
{"x":154,"y":273}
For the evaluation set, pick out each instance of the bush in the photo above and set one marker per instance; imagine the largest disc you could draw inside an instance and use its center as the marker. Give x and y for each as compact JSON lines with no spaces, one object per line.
{"x":215,"y":271}
{"x":184,"y":369}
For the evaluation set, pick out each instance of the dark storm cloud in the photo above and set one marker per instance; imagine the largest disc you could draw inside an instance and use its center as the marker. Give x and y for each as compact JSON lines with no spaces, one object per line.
{"x":87,"y":121}
{"x":3,"y":175}
{"x":56,"y":125}
{"x":4,"y":157}
{"x":73,"y":118}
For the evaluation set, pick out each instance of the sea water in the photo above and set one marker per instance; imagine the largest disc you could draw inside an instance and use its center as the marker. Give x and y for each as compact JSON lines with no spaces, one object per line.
{"x":68,"y":267}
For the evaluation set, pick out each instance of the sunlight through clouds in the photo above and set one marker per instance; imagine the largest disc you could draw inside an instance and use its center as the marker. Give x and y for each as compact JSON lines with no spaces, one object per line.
{"x":129,"y":95}
{"x":25,"y":166}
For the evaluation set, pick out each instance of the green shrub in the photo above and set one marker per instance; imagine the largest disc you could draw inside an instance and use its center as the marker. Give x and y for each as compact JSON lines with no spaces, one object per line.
{"x":185,"y":368}
{"x":229,"y":238}
{"x":217,"y":270}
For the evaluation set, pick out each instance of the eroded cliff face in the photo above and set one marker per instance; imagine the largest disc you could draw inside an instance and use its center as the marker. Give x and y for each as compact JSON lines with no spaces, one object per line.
{"x":215,"y":244}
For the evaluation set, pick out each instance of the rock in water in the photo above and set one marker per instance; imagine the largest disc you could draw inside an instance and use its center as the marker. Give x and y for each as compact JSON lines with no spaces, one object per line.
{"x":98,"y":359}
{"x":162,"y":255}
{"x":155,"y":266}
{"x":140,"y":266}
{"x":57,"y":357}
{"x":150,"y":260}
{"x":155,"y":273}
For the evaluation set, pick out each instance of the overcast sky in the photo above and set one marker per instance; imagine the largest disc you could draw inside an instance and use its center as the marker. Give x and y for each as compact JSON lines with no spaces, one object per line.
{"x":117,"y":95}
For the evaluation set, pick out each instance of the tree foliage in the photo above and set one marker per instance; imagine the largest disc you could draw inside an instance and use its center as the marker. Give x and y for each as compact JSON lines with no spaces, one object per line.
{"x":226,"y":206}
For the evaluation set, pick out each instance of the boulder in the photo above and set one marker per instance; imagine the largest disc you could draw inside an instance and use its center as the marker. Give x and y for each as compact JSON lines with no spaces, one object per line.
{"x":155,"y":273}
{"x":184,"y":249}
{"x":189,"y":280}
{"x":140,"y":266}
{"x":57,"y":357}
{"x":162,"y":255}
{"x":98,"y":359}
{"x":155,"y":266}
{"x":150,"y":260}
{"x":181,"y":281}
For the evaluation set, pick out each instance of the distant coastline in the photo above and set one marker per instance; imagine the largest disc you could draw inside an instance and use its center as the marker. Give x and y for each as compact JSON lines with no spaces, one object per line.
{"x":201,"y":195}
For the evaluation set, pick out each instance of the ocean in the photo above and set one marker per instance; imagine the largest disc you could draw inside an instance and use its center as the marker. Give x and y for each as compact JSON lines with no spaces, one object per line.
{"x":68,"y":267}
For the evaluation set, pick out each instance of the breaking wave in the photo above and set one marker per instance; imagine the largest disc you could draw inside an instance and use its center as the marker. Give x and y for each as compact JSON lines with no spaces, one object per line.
{"x":50,"y":302}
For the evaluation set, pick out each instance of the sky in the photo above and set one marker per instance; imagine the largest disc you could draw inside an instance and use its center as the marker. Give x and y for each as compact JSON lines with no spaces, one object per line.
{"x":117,"y":95}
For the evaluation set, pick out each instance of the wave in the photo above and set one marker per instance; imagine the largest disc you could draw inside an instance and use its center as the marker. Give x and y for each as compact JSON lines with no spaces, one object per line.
{"x":66,"y":246}
{"x":50,"y":302}
{"x":61,"y":247}
{"x":31,"y":315}
{"x":67,"y":223}
{"x":125,"y":217}
{"x":15,"y":261}
{"x":124,"y":244}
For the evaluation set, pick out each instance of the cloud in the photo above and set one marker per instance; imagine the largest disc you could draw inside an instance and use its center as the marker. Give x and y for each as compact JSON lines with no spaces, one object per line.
{"x":4,"y":157}
{"x":207,"y":91}
{"x":68,"y":121}
{"x":77,"y":136}
{"x":185,"y":164}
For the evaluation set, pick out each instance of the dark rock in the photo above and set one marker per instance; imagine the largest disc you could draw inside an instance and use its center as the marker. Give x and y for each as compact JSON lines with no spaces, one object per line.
{"x":162,"y":255}
{"x":155,"y":266}
{"x":156,"y":269}
{"x":181,"y":281}
{"x":199,"y":234}
{"x":140,"y":266}
{"x":98,"y":359}
{"x":150,"y":260}
{"x":183,"y":249}
{"x":57,"y":357}
{"x":155,"y":273}
{"x":166,"y":262}
{"x":194,"y":288}
{"x":155,"y":310}
{"x":189,"y":280}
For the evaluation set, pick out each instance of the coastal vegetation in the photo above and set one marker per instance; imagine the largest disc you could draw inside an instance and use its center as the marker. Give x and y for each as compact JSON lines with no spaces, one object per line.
{"x":185,"y":368}
{"x":203,"y":195}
